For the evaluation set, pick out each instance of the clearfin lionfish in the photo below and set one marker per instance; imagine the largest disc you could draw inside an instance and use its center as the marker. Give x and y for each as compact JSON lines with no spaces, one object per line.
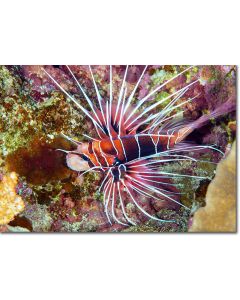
{"x":133,"y":142}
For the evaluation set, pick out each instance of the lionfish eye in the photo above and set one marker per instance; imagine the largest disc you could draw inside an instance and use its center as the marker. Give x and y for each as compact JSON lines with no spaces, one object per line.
{"x":116,"y":161}
{"x":84,"y":157}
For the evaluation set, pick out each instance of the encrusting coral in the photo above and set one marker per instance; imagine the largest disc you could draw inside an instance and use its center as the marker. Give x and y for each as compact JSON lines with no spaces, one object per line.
{"x":219,"y":214}
{"x":11,"y":204}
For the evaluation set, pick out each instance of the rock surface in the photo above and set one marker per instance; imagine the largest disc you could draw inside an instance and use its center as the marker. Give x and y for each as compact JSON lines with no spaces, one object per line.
{"x":219,"y":214}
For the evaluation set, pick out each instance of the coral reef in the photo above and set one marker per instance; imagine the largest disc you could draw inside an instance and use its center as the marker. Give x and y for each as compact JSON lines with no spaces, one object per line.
{"x":34,"y":113}
{"x":219,"y":214}
{"x":11,"y":204}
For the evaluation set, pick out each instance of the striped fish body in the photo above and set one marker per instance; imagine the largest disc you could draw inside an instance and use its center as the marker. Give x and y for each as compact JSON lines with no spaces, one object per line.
{"x":110,"y":152}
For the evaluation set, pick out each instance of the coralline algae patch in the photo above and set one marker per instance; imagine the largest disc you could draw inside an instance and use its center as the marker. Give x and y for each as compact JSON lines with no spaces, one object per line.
{"x":55,"y":199}
{"x":11,"y":204}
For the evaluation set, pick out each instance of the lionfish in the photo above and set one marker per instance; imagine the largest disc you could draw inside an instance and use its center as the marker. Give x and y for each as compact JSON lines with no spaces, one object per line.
{"x":133,"y":143}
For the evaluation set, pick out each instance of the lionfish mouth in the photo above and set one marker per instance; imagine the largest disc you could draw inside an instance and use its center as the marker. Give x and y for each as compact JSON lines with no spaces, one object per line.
{"x":134,"y":142}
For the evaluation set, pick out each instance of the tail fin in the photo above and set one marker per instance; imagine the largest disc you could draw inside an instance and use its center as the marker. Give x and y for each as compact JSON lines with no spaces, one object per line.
{"x":225,"y":108}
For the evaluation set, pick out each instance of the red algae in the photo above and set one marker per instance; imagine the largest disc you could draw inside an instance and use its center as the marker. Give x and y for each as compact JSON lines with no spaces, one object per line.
{"x":39,"y":162}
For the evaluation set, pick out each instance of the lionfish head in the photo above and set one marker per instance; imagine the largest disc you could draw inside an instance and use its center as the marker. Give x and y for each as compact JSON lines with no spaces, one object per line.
{"x":77,"y":162}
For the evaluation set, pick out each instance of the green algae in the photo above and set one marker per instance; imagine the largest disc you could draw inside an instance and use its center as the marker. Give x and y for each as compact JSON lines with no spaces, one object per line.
{"x":21,"y":118}
{"x":17,"y":123}
{"x":180,"y":224}
{"x":87,"y":188}
{"x":9,"y":84}
{"x":160,"y":76}
{"x":40,"y":217}
{"x":204,"y":170}
{"x":85,"y":225}
{"x":48,"y":193}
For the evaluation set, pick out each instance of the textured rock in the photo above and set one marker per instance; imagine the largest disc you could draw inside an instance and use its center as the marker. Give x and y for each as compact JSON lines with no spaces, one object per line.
{"x":219,"y":214}
{"x":40,"y":218}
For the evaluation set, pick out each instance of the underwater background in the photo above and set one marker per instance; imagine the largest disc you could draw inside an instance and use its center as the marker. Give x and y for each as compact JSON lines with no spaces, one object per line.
{"x":39,"y":193}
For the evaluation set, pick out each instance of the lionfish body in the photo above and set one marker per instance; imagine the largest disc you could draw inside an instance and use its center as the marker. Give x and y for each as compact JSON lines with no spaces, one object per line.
{"x":133,"y":145}
{"x":123,"y":149}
